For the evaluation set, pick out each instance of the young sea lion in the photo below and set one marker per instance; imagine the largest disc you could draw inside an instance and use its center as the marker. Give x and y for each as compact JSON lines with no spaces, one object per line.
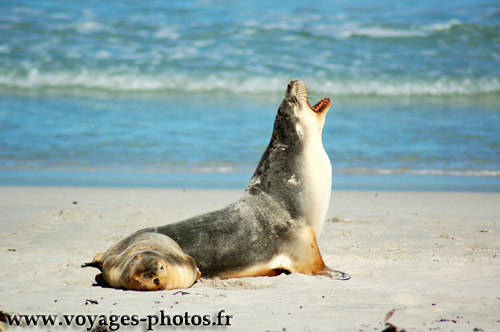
{"x":146,"y":261}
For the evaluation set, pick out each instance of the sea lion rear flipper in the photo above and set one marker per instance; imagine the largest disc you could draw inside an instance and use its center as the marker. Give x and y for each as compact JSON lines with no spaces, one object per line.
{"x":96,"y":262}
{"x":98,"y":258}
{"x":92,"y":264}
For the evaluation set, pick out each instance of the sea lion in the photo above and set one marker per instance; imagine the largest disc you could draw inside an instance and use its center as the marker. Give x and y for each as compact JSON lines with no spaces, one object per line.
{"x":146,"y":261}
{"x":275,"y":225}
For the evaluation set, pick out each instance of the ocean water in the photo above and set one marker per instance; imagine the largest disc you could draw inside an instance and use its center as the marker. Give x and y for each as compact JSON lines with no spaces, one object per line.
{"x":184,"y":94}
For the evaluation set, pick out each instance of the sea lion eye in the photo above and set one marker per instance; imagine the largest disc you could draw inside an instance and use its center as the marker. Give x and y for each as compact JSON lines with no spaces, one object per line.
{"x":161,"y":267}
{"x":156,"y":281}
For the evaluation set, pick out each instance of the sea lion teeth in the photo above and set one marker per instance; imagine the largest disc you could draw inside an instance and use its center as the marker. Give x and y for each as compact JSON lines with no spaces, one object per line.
{"x":319,"y":106}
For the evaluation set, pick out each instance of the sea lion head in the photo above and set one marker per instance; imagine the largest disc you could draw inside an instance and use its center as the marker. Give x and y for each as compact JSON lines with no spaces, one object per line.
{"x":146,"y":270}
{"x":308,"y":120}
{"x":296,"y":93}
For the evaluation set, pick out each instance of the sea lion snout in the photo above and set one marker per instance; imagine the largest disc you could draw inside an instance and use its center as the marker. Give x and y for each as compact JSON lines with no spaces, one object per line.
{"x":292,"y":82}
{"x":148,"y":271}
{"x":296,"y":90}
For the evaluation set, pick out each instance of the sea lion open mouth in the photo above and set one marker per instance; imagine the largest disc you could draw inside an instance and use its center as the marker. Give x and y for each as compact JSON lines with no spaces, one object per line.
{"x":297,"y":90}
{"x":321,"y":105}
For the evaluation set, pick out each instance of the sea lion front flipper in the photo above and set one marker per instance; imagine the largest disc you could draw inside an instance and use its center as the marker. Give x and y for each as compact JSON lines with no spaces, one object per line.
{"x":306,"y":257}
{"x":334,"y":274}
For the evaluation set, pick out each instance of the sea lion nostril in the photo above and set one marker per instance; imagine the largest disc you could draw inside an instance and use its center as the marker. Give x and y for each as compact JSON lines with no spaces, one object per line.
{"x":290,"y":85}
{"x":156,"y":281}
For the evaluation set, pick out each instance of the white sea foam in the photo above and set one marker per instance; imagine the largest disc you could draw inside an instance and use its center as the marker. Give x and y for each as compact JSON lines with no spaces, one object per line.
{"x":26,"y":11}
{"x":237,"y":83}
{"x":103,"y":55}
{"x":442,"y":26}
{"x":436,"y":87}
{"x":90,"y":26}
{"x":438,"y":172}
{"x":378,"y":32}
{"x":4,"y":49}
{"x":167,"y":33}
{"x":352,"y":29}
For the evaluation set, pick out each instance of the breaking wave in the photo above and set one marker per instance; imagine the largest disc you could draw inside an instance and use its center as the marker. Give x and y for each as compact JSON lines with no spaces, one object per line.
{"x":238,"y":83}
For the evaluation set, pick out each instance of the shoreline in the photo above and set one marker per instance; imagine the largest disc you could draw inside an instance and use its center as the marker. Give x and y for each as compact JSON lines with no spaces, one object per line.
{"x":432,"y":257}
{"x":239,"y":179}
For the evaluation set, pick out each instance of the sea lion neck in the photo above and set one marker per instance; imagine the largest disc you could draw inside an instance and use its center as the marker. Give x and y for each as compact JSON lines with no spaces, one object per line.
{"x":282,"y":160}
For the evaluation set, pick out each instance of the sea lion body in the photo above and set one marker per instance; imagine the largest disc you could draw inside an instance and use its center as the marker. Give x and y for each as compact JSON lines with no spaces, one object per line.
{"x":146,"y":261}
{"x":274,"y":227}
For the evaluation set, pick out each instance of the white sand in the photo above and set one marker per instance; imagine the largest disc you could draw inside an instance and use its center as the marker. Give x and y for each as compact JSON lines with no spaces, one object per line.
{"x":433,"y":257}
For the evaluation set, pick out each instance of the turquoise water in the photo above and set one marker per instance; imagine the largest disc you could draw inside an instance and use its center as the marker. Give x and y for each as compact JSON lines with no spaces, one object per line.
{"x":179,"y":93}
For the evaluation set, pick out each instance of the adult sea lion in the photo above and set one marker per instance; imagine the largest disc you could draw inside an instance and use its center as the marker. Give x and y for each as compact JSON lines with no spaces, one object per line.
{"x":275,"y":225}
{"x":146,"y":261}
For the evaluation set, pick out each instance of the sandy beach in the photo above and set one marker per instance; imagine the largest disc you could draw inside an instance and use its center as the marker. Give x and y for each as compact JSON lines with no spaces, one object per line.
{"x":101,"y":99}
{"x":433,"y":258}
